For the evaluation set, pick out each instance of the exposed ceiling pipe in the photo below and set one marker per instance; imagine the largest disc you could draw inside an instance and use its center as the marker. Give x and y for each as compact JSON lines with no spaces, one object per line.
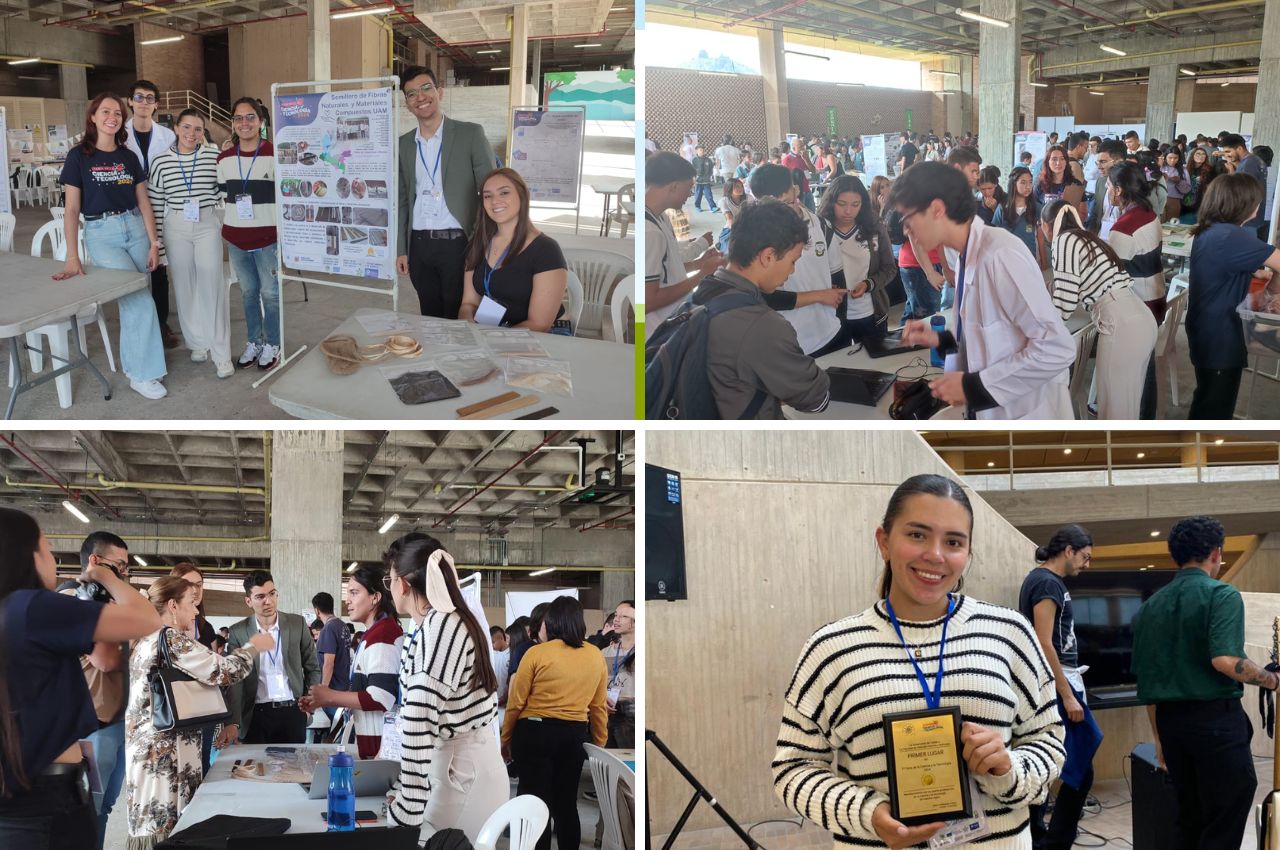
{"x":1152,"y":16}
{"x":1170,"y":52}
{"x":495,"y":479}
{"x":1226,"y":72}
{"x":105,"y":484}
{"x":604,"y":522}
{"x":765,"y":13}
{"x":604,"y":31}
{"x":49,"y":475}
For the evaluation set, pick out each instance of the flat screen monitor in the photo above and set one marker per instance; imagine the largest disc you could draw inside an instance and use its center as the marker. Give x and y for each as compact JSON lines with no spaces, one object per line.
{"x":663,"y":534}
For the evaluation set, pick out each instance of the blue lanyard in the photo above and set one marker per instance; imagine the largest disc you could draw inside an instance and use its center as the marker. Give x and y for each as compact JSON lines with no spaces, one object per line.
{"x":932,"y":698}
{"x":195,"y":153}
{"x":430,"y":173}
{"x":488,"y":272}
{"x":618,"y":660}
{"x":276,"y":661}
{"x":244,"y":182}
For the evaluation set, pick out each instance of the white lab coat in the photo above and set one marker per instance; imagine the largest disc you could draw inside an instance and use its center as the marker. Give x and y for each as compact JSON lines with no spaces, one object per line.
{"x":1014,"y":337}
{"x":162,"y":138}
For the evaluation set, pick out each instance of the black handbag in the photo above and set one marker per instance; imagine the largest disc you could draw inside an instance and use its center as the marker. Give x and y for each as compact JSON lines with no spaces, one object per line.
{"x":917,"y":402}
{"x":179,"y":701}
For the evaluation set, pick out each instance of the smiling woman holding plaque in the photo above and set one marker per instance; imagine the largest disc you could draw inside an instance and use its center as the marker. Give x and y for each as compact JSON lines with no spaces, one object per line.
{"x":929,"y":711}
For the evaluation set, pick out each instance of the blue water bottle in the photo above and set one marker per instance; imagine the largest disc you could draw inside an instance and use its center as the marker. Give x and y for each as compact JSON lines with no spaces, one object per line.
{"x":939,"y":324}
{"x":342,"y":795}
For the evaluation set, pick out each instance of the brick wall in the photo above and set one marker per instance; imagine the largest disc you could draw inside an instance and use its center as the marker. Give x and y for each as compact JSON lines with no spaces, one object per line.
{"x":1130,"y":101}
{"x":860,"y":111}
{"x":679,"y":101}
{"x":176,"y":66}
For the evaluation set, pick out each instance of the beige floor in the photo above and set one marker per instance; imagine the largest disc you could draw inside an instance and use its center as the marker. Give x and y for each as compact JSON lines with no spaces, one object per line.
{"x":1109,"y":824}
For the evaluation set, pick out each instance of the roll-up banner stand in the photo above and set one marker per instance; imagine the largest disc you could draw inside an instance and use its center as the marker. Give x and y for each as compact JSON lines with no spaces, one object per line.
{"x":545,"y":146}
{"x":7,"y":194}
{"x":336,"y":187}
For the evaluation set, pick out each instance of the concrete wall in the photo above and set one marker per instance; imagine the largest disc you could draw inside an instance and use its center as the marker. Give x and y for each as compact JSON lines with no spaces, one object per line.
{"x":483,"y":105}
{"x":22,"y":37}
{"x":276,"y":51}
{"x":176,"y":66}
{"x":1130,"y":101}
{"x":779,"y":541}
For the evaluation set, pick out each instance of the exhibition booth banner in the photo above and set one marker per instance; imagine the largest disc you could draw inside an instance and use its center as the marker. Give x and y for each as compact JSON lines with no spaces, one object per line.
{"x":5,"y":195}
{"x":1037,"y":143}
{"x":335,"y":158}
{"x":546,"y":150}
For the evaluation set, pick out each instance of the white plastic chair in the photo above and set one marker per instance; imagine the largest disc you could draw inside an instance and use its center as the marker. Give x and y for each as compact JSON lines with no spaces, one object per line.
{"x":623,"y":297}
{"x":609,"y":772}
{"x":525,"y":815}
{"x":26,"y":190}
{"x":50,"y":185}
{"x":1167,"y":354}
{"x":7,"y":224}
{"x":573,"y":299}
{"x":59,"y":348}
{"x":1085,"y":338}
{"x":59,"y":212}
{"x":598,"y":271}
{"x":620,"y":214}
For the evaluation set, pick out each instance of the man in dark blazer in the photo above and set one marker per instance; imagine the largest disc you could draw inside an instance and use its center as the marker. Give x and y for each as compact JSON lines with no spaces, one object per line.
{"x":264,"y":706}
{"x":442,"y":165}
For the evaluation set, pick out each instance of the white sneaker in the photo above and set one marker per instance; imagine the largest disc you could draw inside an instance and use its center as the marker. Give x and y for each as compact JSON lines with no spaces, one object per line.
{"x":225,"y":369}
{"x":148,"y":389}
{"x":251,"y":352}
{"x":269,"y":357}
{"x":199,"y":355}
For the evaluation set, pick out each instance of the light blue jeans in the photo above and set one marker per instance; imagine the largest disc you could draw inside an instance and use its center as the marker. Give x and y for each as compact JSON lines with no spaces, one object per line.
{"x":108,"y":748}
{"x":120,"y":242}
{"x":260,"y":288}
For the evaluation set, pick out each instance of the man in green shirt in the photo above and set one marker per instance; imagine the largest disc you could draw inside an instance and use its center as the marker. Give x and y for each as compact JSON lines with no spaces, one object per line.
{"x":1188,"y":654}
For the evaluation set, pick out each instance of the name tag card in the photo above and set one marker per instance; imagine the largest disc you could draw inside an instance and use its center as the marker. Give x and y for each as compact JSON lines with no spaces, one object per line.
{"x":432,"y":202}
{"x":490,"y":312}
{"x":244,"y":207}
{"x":928,"y":779}
{"x":191,"y":210}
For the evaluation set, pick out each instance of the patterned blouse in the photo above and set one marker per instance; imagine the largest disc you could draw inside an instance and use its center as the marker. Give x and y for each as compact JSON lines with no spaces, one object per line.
{"x":162,"y":769}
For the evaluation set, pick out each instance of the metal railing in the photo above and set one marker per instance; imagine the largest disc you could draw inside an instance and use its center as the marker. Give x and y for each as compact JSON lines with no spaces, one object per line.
{"x":176,"y":101}
{"x":1122,"y":465}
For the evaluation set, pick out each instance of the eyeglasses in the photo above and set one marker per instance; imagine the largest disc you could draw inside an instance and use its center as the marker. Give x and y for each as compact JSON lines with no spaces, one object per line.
{"x":386,"y":581}
{"x":118,"y":566}
{"x":144,"y":98}
{"x":414,"y":94}
{"x":244,"y":119}
{"x":263,"y":597}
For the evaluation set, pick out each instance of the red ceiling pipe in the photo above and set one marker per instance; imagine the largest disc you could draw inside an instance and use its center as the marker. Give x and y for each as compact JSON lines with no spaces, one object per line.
{"x":766,"y":13}
{"x":605,"y":522}
{"x":38,"y":468}
{"x":496,"y":479}
{"x":604,"y":31}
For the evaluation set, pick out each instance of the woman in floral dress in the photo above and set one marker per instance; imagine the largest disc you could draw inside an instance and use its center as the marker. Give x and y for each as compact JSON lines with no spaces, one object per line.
{"x":162,"y":769}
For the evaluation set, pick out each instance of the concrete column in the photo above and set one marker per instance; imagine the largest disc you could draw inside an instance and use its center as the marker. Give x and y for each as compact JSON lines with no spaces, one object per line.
{"x":998,"y":70}
{"x":318,"y":55}
{"x":535,"y":71}
{"x":73,"y":88}
{"x":965,"y":87}
{"x":1162,"y":93}
{"x":615,"y":587}
{"x":519,"y":67}
{"x":773,"y":67}
{"x":1266,"y":118}
{"x":306,"y":516}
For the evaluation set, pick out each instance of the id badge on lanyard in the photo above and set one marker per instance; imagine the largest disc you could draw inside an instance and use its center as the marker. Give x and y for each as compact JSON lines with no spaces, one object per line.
{"x":191,"y":210}
{"x":244,"y":207}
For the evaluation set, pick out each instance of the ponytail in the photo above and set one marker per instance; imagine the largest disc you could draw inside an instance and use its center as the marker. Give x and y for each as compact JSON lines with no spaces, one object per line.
{"x":1067,"y":537}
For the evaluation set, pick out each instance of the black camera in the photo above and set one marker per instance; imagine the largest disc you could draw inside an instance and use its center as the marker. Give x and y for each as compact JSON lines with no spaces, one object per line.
{"x":92,"y":591}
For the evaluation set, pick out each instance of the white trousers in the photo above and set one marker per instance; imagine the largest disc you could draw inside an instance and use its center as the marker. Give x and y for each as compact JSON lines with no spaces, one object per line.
{"x":1126,"y":343}
{"x":468,"y":783}
{"x":194,"y":251}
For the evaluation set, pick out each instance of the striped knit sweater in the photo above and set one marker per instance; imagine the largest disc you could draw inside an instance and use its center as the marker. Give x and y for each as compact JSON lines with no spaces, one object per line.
{"x":375,"y":679}
{"x":167,"y":185}
{"x":1077,"y":281}
{"x":1137,"y":238}
{"x":830,"y":764}
{"x":439,"y":703}
{"x":240,"y":173}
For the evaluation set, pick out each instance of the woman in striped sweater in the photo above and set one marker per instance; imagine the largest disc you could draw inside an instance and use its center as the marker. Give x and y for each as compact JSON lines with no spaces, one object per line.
{"x":375,"y":668}
{"x":451,"y":774}
{"x":1087,"y":272}
{"x":184,"y":194}
{"x":830,"y":765}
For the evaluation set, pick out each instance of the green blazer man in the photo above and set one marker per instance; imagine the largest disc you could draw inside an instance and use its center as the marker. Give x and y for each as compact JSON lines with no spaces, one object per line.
{"x":442,"y":165}
{"x":264,"y":706}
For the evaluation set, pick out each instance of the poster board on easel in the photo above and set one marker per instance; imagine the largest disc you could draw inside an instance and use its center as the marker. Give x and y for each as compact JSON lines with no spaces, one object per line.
{"x":546,"y":149}
{"x":6,"y":197}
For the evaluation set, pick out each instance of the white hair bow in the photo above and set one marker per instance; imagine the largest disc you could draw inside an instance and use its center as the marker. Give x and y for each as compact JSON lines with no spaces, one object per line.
{"x":1067,"y":207}
{"x":437,"y":588}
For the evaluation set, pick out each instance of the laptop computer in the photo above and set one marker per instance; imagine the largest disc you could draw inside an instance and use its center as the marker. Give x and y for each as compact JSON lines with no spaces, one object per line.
{"x":888,"y":345}
{"x":368,"y":838}
{"x":858,"y":386}
{"x":370,"y":778}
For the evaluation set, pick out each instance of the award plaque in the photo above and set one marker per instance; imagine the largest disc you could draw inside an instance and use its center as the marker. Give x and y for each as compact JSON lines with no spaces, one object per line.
{"x":928,"y":779}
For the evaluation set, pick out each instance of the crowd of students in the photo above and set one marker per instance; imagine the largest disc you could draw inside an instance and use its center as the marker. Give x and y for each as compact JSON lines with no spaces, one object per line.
{"x":166,"y":203}
{"x":1088,"y":218}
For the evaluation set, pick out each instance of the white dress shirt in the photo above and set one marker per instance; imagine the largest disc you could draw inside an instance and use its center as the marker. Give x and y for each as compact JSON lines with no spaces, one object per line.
{"x":272,"y":688}
{"x":430,"y":212}
{"x":815,"y":324}
{"x":1013,"y":336}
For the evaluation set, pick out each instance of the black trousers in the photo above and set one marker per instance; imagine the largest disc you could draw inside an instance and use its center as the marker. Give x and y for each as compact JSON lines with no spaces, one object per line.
{"x":1216,"y":392}
{"x":1060,"y":832}
{"x":56,"y":814}
{"x":622,"y":727}
{"x":1206,"y":748}
{"x":160,"y":292}
{"x":550,"y":756}
{"x":435,"y":268}
{"x":283,"y":725}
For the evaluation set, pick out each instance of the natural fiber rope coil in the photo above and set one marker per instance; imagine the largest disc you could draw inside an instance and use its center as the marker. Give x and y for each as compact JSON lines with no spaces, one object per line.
{"x":345,"y":356}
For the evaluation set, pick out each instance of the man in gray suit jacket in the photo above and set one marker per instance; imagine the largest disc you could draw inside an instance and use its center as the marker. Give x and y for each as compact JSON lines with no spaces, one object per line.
{"x":442,"y":165}
{"x":264,"y":706}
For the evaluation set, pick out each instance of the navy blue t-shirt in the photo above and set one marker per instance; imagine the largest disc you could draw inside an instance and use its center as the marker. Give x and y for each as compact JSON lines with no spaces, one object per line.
{"x":45,"y":634}
{"x":1223,"y":260}
{"x":1042,"y":583}
{"x":107,"y":181}
{"x":335,"y":640}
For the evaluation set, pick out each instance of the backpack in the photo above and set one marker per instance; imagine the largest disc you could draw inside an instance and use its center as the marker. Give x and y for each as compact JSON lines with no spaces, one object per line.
{"x":676,"y":385}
